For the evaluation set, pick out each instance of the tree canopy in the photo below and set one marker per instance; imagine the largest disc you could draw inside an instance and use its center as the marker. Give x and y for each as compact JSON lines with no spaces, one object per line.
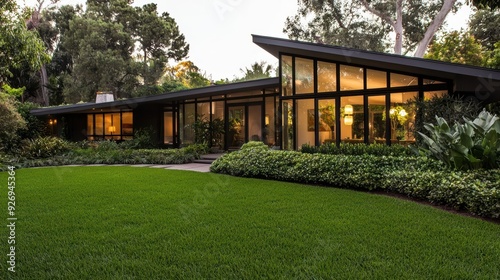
{"x":370,"y":24}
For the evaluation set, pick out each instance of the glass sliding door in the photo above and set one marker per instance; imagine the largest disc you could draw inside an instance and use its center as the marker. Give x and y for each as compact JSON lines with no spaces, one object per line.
{"x":255,"y":123}
{"x":236,"y":135}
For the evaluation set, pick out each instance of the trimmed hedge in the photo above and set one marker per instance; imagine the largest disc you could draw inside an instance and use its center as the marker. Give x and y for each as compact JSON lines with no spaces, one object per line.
{"x":359,"y":149}
{"x":109,"y":154}
{"x":477,"y":192}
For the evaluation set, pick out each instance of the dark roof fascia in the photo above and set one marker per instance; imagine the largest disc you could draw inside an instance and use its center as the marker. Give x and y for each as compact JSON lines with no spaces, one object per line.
{"x":275,"y":46}
{"x":170,"y":96}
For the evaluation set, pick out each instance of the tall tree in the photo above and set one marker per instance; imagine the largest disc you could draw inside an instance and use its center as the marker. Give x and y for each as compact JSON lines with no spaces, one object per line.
{"x":187,"y":73}
{"x":159,"y":40}
{"x":20,"y":48}
{"x":335,"y":23}
{"x":414,"y":23}
{"x":103,"y":43}
{"x":492,"y":4}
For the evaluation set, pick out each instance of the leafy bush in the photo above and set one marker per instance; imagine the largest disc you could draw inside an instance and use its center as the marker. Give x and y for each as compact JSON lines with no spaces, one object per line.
{"x":196,"y":149}
{"x":44,"y":147}
{"x":477,"y":192}
{"x":472,"y":145}
{"x":106,"y":145}
{"x":143,"y":139}
{"x":358,"y":149}
{"x":451,"y":108}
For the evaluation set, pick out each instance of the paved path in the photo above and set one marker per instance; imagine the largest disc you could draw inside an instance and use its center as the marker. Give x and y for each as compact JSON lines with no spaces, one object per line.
{"x":198,"y":167}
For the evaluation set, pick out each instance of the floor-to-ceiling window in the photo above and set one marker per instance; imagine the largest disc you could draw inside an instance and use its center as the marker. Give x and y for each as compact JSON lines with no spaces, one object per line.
{"x":330,"y":102}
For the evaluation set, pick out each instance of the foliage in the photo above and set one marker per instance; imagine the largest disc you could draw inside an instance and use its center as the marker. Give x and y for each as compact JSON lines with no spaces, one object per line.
{"x":472,"y":145}
{"x":35,"y":127}
{"x":358,"y":149}
{"x":208,"y":132}
{"x":187,"y":73}
{"x":143,"y":139}
{"x":451,"y":108}
{"x":494,"y":60}
{"x":10,"y":123}
{"x":20,"y":47}
{"x":483,"y":25}
{"x":111,"y":46}
{"x":492,"y":4}
{"x":458,"y":47}
{"x":417,"y":177}
{"x":44,"y":147}
{"x":342,"y":23}
{"x":335,"y":23}
{"x":235,"y":228}
{"x":258,"y":70}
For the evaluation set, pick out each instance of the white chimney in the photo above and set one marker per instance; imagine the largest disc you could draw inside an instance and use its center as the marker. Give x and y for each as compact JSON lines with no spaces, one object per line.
{"x":104,"y":96}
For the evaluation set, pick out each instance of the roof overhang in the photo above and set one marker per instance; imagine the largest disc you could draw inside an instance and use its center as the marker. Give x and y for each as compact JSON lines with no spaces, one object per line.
{"x":466,"y":78}
{"x":164,"y":98}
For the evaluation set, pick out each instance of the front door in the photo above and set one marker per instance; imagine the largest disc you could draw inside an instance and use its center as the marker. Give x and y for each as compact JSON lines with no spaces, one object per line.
{"x":244,"y":124}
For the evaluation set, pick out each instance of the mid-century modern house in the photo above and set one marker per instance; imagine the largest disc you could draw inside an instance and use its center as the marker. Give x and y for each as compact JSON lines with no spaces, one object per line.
{"x":324,"y":94}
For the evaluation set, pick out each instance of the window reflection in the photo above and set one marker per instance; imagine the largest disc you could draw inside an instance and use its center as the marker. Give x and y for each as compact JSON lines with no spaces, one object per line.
{"x":327,"y":77}
{"x":288,"y":133}
{"x":398,"y":80}
{"x":286,"y":72}
{"x":351,"y":78}
{"x":376,"y":79}
{"x":304,"y":76}
{"x":326,"y":121}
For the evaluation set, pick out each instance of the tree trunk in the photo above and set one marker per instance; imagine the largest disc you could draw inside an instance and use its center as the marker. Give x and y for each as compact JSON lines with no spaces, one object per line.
{"x":398,"y":27}
{"x":434,"y":27}
{"x":44,"y":81}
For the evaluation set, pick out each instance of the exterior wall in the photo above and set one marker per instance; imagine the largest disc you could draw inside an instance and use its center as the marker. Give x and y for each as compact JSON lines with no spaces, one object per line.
{"x":149,"y":117}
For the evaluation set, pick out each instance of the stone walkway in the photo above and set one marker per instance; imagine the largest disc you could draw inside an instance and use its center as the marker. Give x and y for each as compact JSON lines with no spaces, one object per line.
{"x":198,"y":167}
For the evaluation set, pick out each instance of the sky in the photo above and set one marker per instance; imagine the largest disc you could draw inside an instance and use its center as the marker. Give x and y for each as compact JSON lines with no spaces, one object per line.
{"x":219,"y":31}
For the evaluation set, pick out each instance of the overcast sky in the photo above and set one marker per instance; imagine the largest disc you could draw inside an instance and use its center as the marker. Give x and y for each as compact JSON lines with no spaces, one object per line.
{"x":219,"y":31}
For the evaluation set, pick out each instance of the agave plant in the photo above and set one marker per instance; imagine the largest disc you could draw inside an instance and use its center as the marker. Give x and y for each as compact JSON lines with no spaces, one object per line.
{"x":471,"y":145}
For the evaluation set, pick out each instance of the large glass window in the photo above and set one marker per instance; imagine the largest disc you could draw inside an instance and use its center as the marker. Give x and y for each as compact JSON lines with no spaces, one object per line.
{"x":376,"y":79}
{"x":377,"y":123}
{"x":352,"y":127}
{"x":168,"y":128}
{"x":351,"y":78}
{"x":218,"y":124}
{"x":326,"y":121}
{"x":270,"y":122}
{"x":288,"y":133}
{"x":304,"y":76}
{"x":398,"y":80}
{"x":305,"y":122}
{"x":203,"y":110}
{"x":189,"y":118}
{"x":327,"y":77}
{"x":286,"y":75}
{"x":402,"y":116}
{"x":115,"y":126}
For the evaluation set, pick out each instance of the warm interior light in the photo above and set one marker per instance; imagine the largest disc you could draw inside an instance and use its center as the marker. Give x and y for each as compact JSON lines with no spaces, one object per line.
{"x":348,"y":120}
{"x":50,"y":122}
{"x":392,"y":111}
{"x":348,"y":110}
{"x":403,"y":113}
{"x":267,"y":120}
{"x":213,"y":108}
{"x":112,"y":129}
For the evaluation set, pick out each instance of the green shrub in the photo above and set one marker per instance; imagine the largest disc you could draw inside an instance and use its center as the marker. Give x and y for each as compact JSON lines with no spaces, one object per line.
{"x":106,"y":145}
{"x":44,"y":147}
{"x":358,"y":149}
{"x":475,"y":191}
{"x":143,"y":139}
{"x":196,"y":149}
{"x":472,"y":145}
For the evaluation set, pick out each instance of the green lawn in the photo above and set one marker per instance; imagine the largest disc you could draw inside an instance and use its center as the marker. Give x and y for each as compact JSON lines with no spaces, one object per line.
{"x":144,"y":223}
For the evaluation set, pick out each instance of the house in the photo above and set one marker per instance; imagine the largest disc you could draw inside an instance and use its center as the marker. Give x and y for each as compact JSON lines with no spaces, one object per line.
{"x":323,"y":94}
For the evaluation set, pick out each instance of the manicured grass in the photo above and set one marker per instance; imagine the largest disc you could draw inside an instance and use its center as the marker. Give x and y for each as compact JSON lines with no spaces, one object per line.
{"x":143,"y":223}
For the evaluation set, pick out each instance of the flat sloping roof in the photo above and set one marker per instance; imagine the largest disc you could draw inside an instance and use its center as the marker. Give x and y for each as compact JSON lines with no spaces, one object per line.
{"x":161,"y":98}
{"x":275,"y":46}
